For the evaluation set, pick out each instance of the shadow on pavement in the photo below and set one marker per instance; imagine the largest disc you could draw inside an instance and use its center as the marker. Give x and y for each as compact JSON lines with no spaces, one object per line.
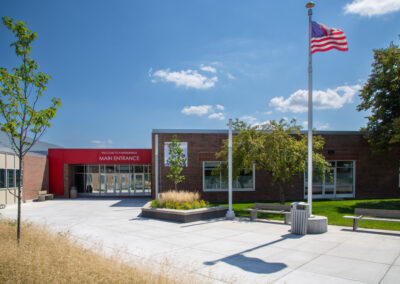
{"x":372,"y":232}
{"x":253,"y":264}
{"x":131,"y":202}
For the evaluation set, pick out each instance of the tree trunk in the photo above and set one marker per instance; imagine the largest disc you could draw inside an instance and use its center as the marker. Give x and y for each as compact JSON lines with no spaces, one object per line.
{"x":19,"y":199}
{"x":176,"y":186}
{"x":281,"y":193}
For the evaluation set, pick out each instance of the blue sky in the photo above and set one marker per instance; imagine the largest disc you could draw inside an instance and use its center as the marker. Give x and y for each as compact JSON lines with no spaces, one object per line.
{"x":123,"y":68}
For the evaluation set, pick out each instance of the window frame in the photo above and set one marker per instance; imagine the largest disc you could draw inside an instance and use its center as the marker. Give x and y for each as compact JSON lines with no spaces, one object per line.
{"x":334,"y":194}
{"x":253,"y":188}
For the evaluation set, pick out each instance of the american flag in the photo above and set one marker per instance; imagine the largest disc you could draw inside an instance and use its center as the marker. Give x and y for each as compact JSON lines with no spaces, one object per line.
{"x":324,"y":38}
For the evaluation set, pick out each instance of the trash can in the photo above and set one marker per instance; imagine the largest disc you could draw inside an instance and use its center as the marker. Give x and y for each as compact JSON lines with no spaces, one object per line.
{"x":73,"y":193}
{"x":299,"y":212}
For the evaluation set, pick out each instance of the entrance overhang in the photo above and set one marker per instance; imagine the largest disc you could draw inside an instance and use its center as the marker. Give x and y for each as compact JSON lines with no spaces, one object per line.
{"x":59,"y":158}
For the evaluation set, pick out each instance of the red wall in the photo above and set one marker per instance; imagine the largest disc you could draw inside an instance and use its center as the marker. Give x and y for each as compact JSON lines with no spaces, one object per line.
{"x":59,"y":157}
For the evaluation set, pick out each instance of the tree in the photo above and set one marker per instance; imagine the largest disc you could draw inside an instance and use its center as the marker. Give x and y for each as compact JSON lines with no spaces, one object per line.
{"x":176,"y":161}
{"x":21,"y":90}
{"x":381,"y":96}
{"x":277,"y":147}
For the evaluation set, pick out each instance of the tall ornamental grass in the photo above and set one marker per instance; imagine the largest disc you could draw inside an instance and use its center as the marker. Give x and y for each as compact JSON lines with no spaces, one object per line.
{"x":45,"y":257}
{"x":182,"y":200}
{"x":178,"y":196}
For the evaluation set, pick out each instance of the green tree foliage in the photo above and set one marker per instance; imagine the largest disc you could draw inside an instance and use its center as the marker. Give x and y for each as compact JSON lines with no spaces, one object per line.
{"x":381,"y":96}
{"x":21,"y":90}
{"x":176,"y":161}
{"x":277,"y":147}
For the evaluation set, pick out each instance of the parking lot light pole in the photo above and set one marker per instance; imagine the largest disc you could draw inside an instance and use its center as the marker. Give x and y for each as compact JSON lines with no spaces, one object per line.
{"x":230,"y":214}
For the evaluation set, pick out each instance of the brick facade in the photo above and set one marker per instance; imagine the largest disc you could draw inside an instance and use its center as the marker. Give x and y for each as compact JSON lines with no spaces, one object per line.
{"x":376,"y":176}
{"x":36,"y":175}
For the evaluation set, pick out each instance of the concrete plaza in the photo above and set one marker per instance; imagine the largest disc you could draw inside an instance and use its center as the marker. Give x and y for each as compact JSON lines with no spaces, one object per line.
{"x":223,"y":251}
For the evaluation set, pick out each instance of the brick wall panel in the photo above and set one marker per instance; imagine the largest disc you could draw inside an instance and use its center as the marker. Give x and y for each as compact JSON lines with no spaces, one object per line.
{"x":376,"y":175}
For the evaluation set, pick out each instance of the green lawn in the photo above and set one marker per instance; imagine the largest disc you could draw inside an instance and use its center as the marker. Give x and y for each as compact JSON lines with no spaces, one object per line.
{"x":334,"y":210}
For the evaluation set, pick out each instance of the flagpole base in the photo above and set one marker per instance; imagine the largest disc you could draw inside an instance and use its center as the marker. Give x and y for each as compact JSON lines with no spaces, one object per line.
{"x":230,"y":215}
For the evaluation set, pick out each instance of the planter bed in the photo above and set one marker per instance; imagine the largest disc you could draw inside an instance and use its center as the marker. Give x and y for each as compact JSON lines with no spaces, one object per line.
{"x":183,"y":216}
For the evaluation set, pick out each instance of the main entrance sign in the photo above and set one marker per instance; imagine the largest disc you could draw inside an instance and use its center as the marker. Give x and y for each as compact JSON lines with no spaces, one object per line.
{"x":118,"y":156}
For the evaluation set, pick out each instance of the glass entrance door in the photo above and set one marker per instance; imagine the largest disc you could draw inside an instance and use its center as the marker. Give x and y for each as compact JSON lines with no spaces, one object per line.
{"x":110,"y":183}
{"x":124,"y":181}
{"x":138,"y":182}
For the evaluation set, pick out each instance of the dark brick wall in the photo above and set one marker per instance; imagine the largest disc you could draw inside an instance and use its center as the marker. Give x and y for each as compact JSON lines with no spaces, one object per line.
{"x":36,"y":175}
{"x":376,"y":175}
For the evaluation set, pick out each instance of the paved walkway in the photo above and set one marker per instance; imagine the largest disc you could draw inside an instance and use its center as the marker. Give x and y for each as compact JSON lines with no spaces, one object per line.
{"x":223,"y":251}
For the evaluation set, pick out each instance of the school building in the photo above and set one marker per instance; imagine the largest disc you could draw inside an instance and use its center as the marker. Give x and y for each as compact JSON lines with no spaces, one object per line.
{"x":356,"y":172}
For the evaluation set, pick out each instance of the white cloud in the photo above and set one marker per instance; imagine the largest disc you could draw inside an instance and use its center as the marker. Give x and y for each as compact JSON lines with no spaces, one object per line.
{"x":216,"y":63}
{"x":187,"y":78}
{"x":212,"y":112}
{"x":317,"y":125}
{"x":196,"y":110}
{"x":102,"y":144}
{"x":208,"y":69}
{"x":329,"y":99}
{"x":220,"y":107}
{"x":249,"y":119}
{"x":268,"y":112}
{"x":322,"y":126}
{"x":372,"y":8}
{"x":260,"y":124}
{"x":217,"y":115}
{"x":253,"y":121}
{"x":230,"y":76}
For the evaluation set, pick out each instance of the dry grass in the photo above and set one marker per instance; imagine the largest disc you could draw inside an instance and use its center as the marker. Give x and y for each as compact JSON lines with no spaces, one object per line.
{"x":44,"y":257}
{"x":178,"y":197}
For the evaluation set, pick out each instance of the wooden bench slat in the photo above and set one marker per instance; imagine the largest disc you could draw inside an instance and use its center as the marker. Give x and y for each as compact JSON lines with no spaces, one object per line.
{"x":362,"y":212}
{"x":377,"y":212}
{"x":380,"y":219}
{"x":352,"y":217}
{"x":272,"y":206}
{"x":280,"y":210}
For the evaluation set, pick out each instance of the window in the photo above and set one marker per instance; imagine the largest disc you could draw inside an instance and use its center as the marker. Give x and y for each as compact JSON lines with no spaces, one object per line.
{"x":213,"y":179}
{"x":10,"y":178}
{"x":2,"y":178}
{"x":339,"y":182}
{"x":16,"y":178}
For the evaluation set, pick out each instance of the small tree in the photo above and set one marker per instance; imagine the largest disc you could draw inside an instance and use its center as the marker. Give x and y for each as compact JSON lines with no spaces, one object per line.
{"x":277,"y":147}
{"x":21,"y":90}
{"x":381,"y":96}
{"x":176,"y":161}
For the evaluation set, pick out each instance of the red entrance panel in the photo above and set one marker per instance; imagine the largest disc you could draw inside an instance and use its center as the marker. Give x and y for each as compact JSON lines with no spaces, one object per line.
{"x":59,"y":157}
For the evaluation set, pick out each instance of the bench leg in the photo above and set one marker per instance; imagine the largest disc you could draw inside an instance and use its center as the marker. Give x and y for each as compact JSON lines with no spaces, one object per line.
{"x":355,"y":224}
{"x":253,"y":215}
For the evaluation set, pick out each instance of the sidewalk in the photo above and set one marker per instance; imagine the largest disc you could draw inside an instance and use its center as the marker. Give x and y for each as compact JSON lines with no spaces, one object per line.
{"x":224,"y":251}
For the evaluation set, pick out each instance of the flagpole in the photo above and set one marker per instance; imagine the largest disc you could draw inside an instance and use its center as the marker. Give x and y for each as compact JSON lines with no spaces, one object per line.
{"x":309,"y":6}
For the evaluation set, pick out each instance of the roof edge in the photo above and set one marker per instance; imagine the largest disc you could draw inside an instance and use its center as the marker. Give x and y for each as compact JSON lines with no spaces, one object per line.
{"x":221,"y":131}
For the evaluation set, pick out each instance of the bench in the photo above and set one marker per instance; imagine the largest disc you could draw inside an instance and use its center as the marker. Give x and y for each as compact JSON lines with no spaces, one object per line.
{"x":282,"y":209}
{"x":43,"y":195}
{"x":376,"y":214}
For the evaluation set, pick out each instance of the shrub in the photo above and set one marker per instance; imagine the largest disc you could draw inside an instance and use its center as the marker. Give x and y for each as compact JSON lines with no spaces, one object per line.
{"x":155,"y":203}
{"x":196,"y":204}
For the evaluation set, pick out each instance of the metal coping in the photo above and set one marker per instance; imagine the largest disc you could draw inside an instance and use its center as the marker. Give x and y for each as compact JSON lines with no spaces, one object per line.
{"x":220,"y":131}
